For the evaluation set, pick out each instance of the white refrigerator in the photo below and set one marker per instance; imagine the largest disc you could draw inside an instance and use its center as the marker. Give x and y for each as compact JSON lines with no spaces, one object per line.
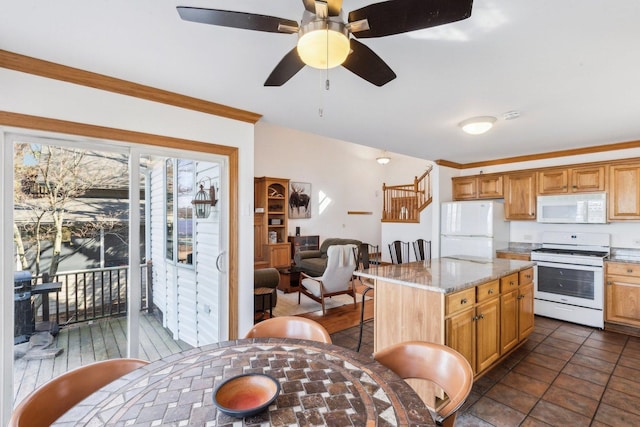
{"x":473,"y":228}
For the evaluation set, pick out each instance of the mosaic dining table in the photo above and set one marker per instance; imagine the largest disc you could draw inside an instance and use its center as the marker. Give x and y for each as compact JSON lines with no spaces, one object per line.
{"x":321,"y":384}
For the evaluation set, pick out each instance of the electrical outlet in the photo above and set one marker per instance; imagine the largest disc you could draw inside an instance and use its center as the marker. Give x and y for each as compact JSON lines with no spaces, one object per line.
{"x":527,"y":237}
{"x":637,"y":241}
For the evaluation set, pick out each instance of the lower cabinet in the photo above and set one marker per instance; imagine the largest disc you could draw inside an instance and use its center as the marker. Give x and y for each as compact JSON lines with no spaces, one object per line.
{"x":484,"y":322}
{"x":623,"y":294}
{"x":475,"y":333}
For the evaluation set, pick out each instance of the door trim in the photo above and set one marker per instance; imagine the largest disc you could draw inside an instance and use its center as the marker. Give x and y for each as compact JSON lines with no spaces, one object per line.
{"x":101,"y":132}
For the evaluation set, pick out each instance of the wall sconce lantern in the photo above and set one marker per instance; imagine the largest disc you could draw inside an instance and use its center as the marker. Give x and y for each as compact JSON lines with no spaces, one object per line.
{"x":204,"y":200}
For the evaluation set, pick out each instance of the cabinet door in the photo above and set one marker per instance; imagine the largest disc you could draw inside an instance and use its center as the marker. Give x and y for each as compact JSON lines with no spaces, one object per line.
{"x":461,"y":332}
{"x":259,"y":238}
{"x":508,"y":320}
{"x":553,"y":181}
{"x":588,"y":179}
{"x":279,"y":255}
{"x":487,"y":334}
{"x":525,"y":311}
{"x":624,"y":194}
{"x":490,"y":187}
{"x":464,"y":188}
{"x":520,"y":196}
{"x":623,"y":300}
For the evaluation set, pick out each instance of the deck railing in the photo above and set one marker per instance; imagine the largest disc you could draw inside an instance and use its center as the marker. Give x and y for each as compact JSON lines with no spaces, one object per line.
{"x":90,"y":294}
{"x":403,"y":203}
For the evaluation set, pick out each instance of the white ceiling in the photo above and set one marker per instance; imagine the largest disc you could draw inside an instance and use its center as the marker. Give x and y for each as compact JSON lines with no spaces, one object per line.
{"x":570,"y":67}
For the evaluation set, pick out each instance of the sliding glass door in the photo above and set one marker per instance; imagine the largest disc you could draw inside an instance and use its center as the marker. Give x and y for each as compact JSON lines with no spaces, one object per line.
{"x":118,"y":250}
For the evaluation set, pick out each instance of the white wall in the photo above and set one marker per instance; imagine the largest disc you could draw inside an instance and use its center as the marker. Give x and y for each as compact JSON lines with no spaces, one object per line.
{"x":623,"y":234}
{"x":28,"y":94}
{"x":344,"y":177}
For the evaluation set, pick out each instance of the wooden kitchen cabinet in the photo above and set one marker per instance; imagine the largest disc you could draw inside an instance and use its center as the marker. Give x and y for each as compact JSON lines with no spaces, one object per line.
{"x":520,"y":196}
{"x":525,"y":311}
{"x":475,"y":331}
{"x":487,"y":333}
{"x":477,"y":187}
{"x":624,"y":192}
{"x":516,"y":308}
{"x":465,"y":188}
{"x":622,"y":293}
{"x":571,"y":180}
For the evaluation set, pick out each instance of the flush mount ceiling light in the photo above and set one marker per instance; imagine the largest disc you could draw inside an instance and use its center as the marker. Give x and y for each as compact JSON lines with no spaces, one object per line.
{"x":323,"y":44}
{"x":477,"y":125}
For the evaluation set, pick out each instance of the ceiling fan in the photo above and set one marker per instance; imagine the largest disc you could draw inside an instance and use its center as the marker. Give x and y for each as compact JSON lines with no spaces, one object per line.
{"x":324,"y":38}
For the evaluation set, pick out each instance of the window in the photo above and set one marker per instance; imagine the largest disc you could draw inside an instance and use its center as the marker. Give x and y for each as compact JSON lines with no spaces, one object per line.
{"x":169,"y":207}
{"x":180,"y":223}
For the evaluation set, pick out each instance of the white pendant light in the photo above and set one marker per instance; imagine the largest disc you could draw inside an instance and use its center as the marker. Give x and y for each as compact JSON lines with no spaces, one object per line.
{"x":477,"y":125}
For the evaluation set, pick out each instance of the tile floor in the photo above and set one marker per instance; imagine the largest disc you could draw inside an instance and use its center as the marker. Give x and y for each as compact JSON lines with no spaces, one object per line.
{"x":564,"y":375}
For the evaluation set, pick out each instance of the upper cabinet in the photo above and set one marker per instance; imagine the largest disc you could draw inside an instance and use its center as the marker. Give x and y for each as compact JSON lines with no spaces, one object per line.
{"x":520,"y":195}
{"x":571,"y":180}
{"x":477,"y":187}
{"x":624,"y":191}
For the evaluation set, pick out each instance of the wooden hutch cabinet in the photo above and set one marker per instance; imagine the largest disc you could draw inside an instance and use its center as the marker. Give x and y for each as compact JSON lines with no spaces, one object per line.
{"x":270,"y":222}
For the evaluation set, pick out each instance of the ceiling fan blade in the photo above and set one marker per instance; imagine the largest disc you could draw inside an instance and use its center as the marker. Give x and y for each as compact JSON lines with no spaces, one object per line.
{"x":400,"y":16}
{"x":335,"y":6}
{"x":227,"y":18}
{"x":364,"y":62}
{"x":286,"y":68}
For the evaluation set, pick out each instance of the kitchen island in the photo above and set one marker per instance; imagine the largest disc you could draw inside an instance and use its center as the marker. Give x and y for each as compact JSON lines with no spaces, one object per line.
{"x":481,"y":307}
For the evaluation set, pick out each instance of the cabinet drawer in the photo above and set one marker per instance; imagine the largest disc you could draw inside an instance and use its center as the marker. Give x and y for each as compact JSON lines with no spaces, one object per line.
{"x":488,"y":290}
{"x":525,"y":276}
{"x":460,"y":301}
{"x":508,"y":283}
{"x":623,"y":269}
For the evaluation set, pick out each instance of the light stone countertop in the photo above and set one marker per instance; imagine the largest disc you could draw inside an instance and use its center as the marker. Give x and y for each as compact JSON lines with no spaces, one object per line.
{"x":445,"y":275}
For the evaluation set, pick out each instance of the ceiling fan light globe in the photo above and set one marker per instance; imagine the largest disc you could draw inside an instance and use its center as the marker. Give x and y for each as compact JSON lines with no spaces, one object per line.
{"x":323,"y":44}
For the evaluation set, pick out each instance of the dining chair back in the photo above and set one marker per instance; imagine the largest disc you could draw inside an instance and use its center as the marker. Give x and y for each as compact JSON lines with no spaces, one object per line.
{"x":50,"y":401}
{"x":290,"y":327}
{"x":399,"y":252}
{"x":436,"y":363}
{"x":337,"y":278}
{"x":422,"y":249}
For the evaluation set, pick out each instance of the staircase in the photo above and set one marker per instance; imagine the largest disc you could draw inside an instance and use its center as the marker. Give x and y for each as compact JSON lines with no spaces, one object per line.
{"x":403,"y":203}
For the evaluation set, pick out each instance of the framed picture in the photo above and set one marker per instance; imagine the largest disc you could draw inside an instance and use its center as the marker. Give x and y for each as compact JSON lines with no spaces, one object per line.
{"x":299,"y":200}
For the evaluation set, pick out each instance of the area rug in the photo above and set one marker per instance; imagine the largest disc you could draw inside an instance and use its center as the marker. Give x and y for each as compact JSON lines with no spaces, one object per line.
{"x":288,"y":303}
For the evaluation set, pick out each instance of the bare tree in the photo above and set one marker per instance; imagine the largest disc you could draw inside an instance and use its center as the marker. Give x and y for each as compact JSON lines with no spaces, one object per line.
{"x":50,"y":177}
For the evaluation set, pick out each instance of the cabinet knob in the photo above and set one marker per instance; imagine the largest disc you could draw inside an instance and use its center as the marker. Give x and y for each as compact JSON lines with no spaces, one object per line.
{"x":528,"y":276}
{"x":475,"y":318}
{"x":481,"y":316}
{"x":629,"y":270}
{"x":609,"y":282}
{"x":490,"y":291}
{"x":512,"y":283}
{"x":463,"y":301}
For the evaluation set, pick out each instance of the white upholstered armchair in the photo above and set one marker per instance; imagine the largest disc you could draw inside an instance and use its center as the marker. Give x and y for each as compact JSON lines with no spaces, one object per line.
{"x":337,"y":278}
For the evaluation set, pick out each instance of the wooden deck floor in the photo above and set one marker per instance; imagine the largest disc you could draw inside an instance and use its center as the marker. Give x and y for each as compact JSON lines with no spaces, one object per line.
{"x":85,"y":343}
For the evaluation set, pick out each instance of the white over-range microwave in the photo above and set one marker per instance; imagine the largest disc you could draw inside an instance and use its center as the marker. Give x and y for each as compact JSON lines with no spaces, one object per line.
{"x":588,"y":208}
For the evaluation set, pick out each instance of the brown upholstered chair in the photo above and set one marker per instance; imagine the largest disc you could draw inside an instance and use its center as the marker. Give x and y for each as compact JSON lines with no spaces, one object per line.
{"x":290,"y":327}
{"x":50,"y":401}
{"x":436,"y":363}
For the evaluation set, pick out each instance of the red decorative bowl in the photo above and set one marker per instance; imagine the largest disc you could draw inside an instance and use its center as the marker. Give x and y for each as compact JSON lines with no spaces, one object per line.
{"x":246,"y":395}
